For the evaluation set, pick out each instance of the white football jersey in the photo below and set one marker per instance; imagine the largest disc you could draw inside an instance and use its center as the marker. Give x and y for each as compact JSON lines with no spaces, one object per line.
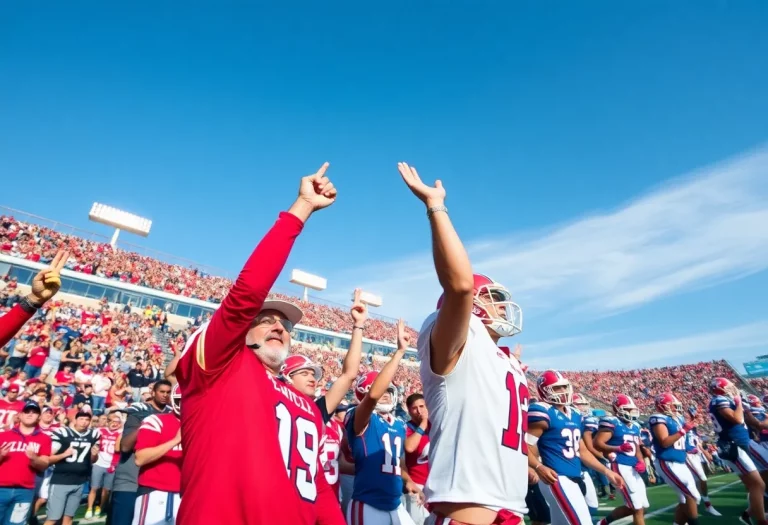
{"x":479,"y":414}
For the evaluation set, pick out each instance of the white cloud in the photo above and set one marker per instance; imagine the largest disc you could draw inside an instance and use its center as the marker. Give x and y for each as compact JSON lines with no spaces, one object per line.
{"x":732,"y":344}
{"x":696,"y":231}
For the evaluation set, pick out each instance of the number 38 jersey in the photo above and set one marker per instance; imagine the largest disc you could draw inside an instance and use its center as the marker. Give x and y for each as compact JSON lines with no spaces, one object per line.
{"x":377,"y":452}
{"x":76,"y":469}
{"x":621,"y":433}
{"x":479,"y":417}
{"x":559,"y":444}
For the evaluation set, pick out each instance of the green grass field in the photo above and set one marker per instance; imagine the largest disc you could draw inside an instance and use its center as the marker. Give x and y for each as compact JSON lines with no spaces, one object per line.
{"x":726,"y":492}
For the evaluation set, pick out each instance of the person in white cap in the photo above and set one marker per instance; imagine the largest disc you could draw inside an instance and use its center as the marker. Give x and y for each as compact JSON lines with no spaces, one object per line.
{"x":229,"y":370}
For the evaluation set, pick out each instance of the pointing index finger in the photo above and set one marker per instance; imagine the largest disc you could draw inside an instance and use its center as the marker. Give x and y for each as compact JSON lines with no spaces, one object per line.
{"x":322,"y":170}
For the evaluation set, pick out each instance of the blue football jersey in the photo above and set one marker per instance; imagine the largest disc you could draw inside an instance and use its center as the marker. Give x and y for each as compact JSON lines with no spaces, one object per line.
{"x":646,"y":438}
{"x":590,"y":424}
{"x":760,"y":415}
{"x":692,"y":442}
{"x":622,"y":432}
{"x":727,"y":431}
{"x":377,"y":454}
{"x":559,"y":444}
{"x":675,"y":453}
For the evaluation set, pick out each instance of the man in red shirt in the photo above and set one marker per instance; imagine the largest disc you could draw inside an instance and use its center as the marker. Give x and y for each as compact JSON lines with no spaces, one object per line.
{"x":417,"y":452}
{"x":24,"y":452}
{"x":159,"y":458}
{"x":269,"y":470}
{"x":10,"y":405}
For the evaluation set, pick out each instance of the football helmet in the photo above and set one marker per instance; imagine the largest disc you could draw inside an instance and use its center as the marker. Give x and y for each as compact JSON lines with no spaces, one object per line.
{"x":668,"y":404}
{"x":720,"y":386}
{"x":546,"y":384}
{"x":176,"y":399}
{"x":624,"y":408}
{"x":496,"y":309}
{"x":754,"y":401}
{"x":581,"y":403}
{"x":363,"y":385}
{"x":294,"y":363}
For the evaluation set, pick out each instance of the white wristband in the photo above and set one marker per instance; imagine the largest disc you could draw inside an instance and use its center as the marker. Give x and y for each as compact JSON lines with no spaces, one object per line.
{"x":531,"y":439}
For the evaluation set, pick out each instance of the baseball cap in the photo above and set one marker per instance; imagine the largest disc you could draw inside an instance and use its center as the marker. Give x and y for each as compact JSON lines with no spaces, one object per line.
{"x":291,"y":312}
{"x":31,"y":405}
{"x":14,"y":388}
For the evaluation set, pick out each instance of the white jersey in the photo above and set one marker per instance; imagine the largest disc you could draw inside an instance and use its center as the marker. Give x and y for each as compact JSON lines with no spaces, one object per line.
{"x":479,"y":414}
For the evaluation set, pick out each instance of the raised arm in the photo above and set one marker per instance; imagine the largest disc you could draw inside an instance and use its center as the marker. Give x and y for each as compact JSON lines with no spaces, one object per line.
{"x":454,"y":272}
{"x":44,"y":286}
{"x":351,"y":366}
{"x":381,"y":383}
{"x":224,"y":336}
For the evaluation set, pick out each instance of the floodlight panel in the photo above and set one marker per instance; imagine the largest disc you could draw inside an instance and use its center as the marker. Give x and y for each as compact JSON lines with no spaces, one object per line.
{"x":117,"y":218}
{"x":308,"y":280}
{"x":369,"y":298}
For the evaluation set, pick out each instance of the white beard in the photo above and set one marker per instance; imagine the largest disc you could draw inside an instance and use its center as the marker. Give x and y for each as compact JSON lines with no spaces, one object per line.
{"x":272,"y":357}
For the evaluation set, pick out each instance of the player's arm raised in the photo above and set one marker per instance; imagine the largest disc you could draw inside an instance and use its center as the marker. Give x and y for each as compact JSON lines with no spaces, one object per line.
{"x":454,"y":272}
{"x":381,"y":383}
{"x":225,"y":334}
{"x":351,"y":366}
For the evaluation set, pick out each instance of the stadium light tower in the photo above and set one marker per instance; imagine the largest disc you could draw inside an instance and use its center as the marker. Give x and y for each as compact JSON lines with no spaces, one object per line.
{"x":369,"y":298}
{"x":120,"y":220}
{"x":307,"y":280}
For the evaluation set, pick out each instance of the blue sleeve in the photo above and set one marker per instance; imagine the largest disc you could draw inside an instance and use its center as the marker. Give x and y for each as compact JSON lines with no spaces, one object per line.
{"x":657,"y":420}
{"x":721,"y":402}
{"x":607,"y":423}
{"x":349,"y":425}
{"x":536,"y":413}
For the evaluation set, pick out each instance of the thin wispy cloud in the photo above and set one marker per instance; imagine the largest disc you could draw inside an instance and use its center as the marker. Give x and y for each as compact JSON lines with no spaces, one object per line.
{"x":698,"y":230}
{"x":732,"y":343}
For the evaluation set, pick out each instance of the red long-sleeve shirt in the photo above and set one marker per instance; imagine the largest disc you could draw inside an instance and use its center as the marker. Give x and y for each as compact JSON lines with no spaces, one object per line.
{"x":248,"y":437}
{"x":11,"y":323}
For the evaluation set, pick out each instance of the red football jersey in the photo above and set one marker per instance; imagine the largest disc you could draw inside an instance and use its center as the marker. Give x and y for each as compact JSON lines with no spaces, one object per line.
{"x":418,"y":460}
{"x":107,"y":446}
{"x":8,"y":411}
{"x":165,"y":473}
{"x":274,"y":455}
{"x":330,"y":449}
{"x":15,"y":470}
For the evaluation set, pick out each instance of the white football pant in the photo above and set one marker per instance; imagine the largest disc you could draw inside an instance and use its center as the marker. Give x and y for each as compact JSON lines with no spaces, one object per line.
{"x":697,"y":468}
{"x":680,"y":478}
{"x":360,"y":513}
{"x":154,"y":508}
{"x":633,"y":492}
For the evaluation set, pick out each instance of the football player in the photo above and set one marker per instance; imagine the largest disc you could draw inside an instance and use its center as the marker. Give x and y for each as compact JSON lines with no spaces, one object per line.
{"x":376,"y":438}
{"x":554,"y":435}
{"x":159,"y":458}
{"x":695,"y":461}
{"x":728,"y":418}
{"x":417,"y":452}
{"x":668,"y":429}
{"x":618,"y":438}
{"x":589,"y":425}
{"x":470,"y":384}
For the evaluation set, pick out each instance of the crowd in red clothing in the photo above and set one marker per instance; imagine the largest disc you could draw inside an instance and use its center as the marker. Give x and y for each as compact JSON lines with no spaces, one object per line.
{"x":39,"y":243}
{"x":690,"y":383}
{"x":760,"y":384}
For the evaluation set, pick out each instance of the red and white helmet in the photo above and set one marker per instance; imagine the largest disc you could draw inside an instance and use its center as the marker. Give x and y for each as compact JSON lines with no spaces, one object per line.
{"x":624,"y":408}
{"x":176,"y":399}
{"x":720,"y":386}
{"x":496,"y":309}
{"x":581,"y":402}
{"x":668,"y":404}
{"x":363,"y":385}
{"x":294,"y":363}
{"x":754,"y":401}
{"x":546,"y":384}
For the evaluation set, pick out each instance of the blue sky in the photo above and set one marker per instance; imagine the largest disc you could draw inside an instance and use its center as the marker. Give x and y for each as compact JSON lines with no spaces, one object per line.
{"x":607,"y":163}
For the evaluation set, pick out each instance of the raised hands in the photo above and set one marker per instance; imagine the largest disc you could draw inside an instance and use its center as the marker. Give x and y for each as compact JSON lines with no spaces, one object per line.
{"x":48,"y":281}
{"x":359,"y":310}
{"x":429,"y":195}
{"x":316,"y":190}
{"x":403,"y":337}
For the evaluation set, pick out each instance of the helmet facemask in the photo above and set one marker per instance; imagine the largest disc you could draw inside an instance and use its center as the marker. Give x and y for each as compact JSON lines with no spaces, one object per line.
{"x":493,"y":304}
{"x":563,"y":396}
{"x":389,"y":407}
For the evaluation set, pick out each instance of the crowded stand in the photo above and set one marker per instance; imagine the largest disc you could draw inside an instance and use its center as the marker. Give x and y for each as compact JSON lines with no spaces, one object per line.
{"x":38,"y":243}
{"x":100,"y":388}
